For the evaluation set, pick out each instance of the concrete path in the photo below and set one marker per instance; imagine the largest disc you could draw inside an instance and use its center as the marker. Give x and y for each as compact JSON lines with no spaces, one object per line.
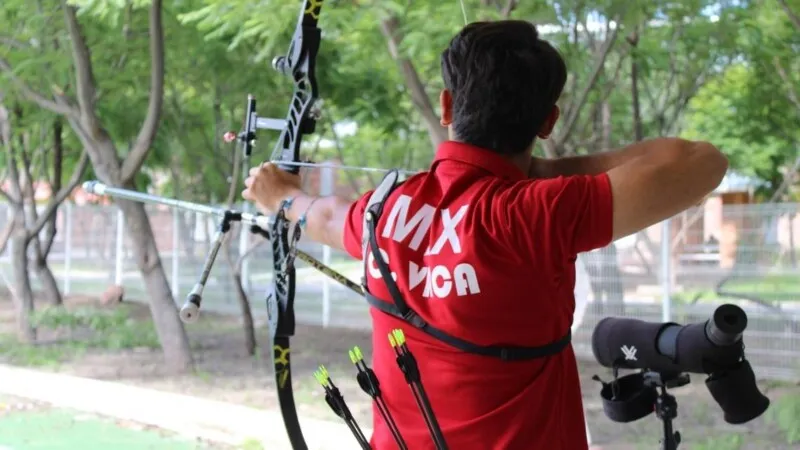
{"x":189,"y":416}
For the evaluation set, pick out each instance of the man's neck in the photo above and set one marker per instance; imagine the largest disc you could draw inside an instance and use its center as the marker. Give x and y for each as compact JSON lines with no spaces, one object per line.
{"x":522,"y":161}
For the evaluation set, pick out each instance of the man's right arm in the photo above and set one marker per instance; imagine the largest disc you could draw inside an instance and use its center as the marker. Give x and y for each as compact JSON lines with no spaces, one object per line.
{"x":595,"y":163}
{"x":669,"y":177}
{"x":655,"y":180}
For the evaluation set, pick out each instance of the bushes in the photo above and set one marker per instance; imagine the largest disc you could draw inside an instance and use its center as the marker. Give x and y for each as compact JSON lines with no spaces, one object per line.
{"x":77,"y":330}
{"x":112,"y":329}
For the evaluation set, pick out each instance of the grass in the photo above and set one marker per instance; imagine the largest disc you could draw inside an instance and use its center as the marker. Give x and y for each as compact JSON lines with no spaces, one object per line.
{"x":785,"y":413}
{"x":38,"y":355}
{"x":724,"y":442}
{"x":79,"y":330}
{"x":769,"y":284}
{"x":70,"y":430}
{"x":775,"y":288}
{"x":251,"y":444}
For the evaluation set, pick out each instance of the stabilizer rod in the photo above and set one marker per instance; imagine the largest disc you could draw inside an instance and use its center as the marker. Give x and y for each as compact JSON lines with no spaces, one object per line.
{"x":259,"y":224}
{"x":98,"y":188}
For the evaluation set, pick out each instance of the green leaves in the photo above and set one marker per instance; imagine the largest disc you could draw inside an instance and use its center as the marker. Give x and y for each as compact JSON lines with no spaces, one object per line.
{"x":717,"y":61}
{"x":749,"y":110}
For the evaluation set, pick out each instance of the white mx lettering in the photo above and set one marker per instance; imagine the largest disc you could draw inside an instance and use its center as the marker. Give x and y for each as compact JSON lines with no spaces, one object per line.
{"x":398,"y":220}
{"x":438,"y":280}
{"x":449,"y":232}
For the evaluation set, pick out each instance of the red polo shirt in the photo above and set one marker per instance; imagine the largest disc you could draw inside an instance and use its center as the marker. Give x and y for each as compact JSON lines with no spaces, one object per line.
{"x":486,"y":255}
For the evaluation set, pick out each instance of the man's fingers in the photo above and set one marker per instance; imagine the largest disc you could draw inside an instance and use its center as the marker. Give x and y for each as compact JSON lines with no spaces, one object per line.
{"x":246,"y":194}
{"x":261,"y":168}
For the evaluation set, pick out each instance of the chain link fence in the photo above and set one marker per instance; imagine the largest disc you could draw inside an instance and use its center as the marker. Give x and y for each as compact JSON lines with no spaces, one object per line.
{"x":680,"y":270}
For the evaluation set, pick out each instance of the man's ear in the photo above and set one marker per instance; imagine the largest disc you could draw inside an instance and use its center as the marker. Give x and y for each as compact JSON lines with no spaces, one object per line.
{"x":446,"y":104}
{"x":550,"y":123}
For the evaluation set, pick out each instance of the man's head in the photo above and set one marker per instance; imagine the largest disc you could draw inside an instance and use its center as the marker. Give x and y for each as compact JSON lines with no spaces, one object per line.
{"x":501,"y":86}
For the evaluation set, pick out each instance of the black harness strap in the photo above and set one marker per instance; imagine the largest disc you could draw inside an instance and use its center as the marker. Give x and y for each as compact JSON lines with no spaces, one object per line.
{"x":400,"y":308}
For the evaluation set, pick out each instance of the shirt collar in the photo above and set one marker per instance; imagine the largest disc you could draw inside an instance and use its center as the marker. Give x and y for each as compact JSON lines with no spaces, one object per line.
{"x":478,"y":157}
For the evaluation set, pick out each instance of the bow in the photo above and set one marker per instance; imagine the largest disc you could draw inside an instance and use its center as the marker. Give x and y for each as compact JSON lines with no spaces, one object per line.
{"x":301,"y":119}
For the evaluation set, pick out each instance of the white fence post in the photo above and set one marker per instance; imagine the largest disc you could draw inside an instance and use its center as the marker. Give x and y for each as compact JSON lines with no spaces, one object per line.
{"x":326,"y":184}
{"x":666,"y":280}
{"x":118,"y":263}
{"x":67,"y":247}
{"x":176,"y":247}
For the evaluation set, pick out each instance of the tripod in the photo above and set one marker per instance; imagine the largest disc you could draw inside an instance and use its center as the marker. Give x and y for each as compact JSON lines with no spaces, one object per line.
{"x":666,"y":405}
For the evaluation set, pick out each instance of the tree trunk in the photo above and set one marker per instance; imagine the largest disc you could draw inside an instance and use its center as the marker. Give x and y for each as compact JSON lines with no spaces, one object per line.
{"x":390,"y":28}
{"x":52,"y":293}
{"x":247,"y":314}
{"x":23,"y":291}
{"x":50,"y":289}
{"x":169,"y":328}
{"x":41,"y":250}
{"x":50,"y":229}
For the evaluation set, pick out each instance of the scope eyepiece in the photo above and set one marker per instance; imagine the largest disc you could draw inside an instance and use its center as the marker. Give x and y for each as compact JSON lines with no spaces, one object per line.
{"x":727,"y":325}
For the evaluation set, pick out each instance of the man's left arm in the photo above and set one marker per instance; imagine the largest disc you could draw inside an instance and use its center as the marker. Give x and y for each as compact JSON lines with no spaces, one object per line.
{"x":325,"y":217}
{"x":330,"y":220}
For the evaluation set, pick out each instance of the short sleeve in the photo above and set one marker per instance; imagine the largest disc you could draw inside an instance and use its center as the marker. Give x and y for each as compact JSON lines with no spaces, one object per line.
{"x":353,"y":226}
{"x":566,"y":215}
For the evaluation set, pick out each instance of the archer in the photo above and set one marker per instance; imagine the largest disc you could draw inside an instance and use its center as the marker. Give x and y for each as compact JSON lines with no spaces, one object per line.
{"x":500,"y":370}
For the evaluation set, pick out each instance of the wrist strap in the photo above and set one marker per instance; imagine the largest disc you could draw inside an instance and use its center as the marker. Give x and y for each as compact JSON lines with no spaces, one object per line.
{"x":301,"y":222}
{"x":286,"y":204}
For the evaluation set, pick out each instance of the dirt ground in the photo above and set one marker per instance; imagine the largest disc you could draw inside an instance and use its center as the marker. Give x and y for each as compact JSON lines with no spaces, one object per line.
{"x":225,"y":372}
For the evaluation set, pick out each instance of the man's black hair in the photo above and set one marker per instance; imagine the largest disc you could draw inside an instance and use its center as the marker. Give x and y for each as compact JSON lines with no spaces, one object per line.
{"x":504,"y":81}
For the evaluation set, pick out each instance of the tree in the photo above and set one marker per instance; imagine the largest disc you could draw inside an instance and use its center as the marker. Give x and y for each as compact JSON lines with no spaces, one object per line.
{"x":26,"y":152}
{"x":662,"y":62}
{"x":740,"y":111}
{"x":382,"y":61}
{"x":80,"y":102}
